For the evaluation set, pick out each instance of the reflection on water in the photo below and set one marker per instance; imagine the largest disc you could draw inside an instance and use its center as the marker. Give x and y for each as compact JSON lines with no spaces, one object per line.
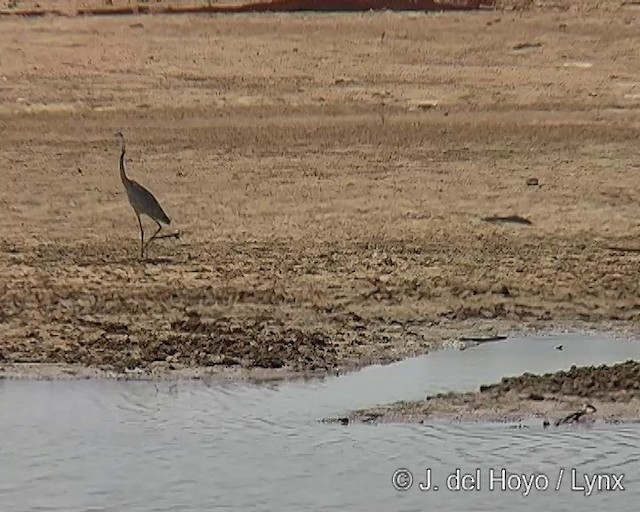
{"x":193,"y":446}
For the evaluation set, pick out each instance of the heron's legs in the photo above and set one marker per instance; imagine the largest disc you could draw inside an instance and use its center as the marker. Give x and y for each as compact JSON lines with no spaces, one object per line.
{"x":156,"y":233}
{"x":157,"y":236}
{"x":141,"y":236}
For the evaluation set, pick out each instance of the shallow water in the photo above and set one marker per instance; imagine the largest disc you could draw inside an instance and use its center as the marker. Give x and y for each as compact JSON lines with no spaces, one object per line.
{"x":190,"y":446}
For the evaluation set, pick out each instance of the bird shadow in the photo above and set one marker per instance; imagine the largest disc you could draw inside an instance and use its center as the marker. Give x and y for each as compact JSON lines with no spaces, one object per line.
{"x":128,"y":261}
{"x":92,"y":255}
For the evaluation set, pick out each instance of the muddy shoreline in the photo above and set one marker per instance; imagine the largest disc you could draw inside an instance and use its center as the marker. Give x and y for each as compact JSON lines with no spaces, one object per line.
{"x":464,"y":337}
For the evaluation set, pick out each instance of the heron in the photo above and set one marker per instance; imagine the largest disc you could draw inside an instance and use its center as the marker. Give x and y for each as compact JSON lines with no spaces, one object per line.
{"x":142,"y":201}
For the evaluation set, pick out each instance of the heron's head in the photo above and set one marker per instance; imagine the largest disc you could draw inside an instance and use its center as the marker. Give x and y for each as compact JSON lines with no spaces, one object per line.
{"x":120,"y":136}
{"x":588,"y":408}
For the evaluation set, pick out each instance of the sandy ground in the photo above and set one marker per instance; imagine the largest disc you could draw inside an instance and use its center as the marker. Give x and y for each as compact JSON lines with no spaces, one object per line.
{"x":329,"y":184}
{"x":614,"y":392}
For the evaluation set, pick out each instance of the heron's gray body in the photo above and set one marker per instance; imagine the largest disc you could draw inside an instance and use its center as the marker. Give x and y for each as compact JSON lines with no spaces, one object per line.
{"x":142,"y":201}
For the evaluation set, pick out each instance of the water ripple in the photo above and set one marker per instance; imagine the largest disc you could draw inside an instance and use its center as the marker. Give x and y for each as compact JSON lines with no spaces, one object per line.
{"x":193,"y":446}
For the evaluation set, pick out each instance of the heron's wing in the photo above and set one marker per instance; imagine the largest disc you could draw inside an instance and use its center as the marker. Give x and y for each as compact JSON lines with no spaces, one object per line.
{"x":146,"y":203}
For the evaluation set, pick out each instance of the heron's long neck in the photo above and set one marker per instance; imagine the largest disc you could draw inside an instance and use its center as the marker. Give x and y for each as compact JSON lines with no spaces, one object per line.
{"x":123,"y":173}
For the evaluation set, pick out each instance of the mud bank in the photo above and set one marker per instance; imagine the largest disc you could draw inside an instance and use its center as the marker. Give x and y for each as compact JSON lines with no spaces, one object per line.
{"x":614,"y":392}
{"x":226,"y":348}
